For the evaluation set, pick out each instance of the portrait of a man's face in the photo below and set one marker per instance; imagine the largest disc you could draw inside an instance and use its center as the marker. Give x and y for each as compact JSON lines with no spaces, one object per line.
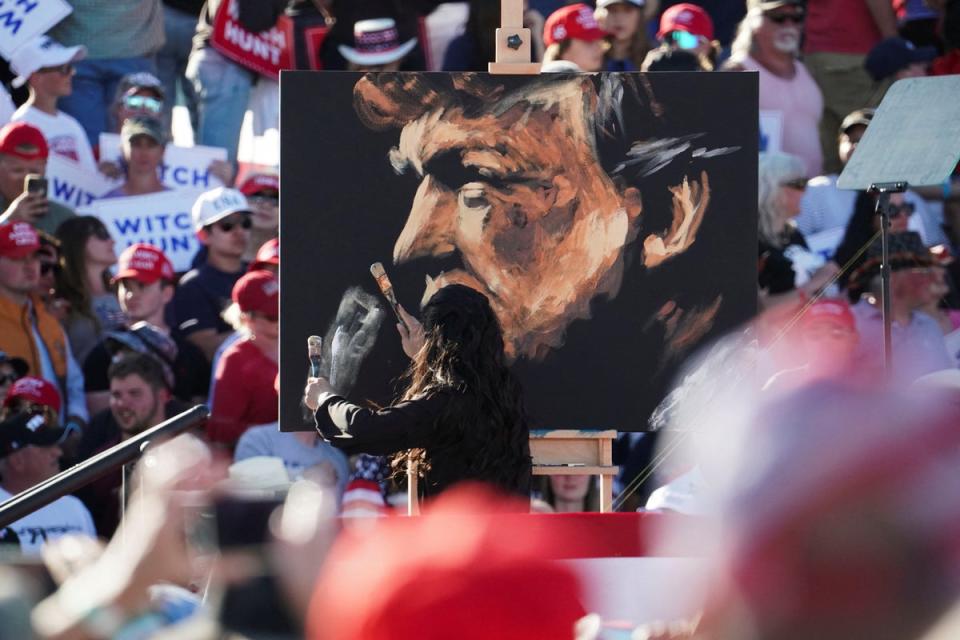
{"x":550,"y":195}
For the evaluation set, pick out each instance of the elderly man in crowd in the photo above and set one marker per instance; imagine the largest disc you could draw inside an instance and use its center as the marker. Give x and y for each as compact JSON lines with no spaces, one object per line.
{"x":30,"y":454}
{"x":768,"y":42}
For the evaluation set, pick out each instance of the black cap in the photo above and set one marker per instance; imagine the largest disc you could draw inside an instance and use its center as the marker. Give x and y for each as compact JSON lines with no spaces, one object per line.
{"x":893,"y":54}
{"x":26,"y":429}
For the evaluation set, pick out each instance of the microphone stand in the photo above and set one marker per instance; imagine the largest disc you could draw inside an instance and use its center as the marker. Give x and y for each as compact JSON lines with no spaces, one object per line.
{"x":883,"y":191}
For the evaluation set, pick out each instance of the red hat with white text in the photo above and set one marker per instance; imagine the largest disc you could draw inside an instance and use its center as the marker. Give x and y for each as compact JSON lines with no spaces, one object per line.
{"x":686,"y":17}
{"x":575,"y":21}
{"x":35,"y":390}
{"x":18,"y":240}
{"x":144,"y":263}
{"x":258,"y":292}
{"x":24,"y":141}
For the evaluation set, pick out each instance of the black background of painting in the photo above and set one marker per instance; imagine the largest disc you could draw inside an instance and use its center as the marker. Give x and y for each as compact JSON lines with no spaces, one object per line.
{"x":342,"y":208}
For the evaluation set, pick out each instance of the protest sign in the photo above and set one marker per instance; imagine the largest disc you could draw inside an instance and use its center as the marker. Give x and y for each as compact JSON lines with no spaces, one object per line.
{"x":183,"y":167}
{"x":161,"y":219}
{"x":73,"y":185}
{"x":265,"y":53}
{"x":23,"y":20}
{"x":771,"y":130}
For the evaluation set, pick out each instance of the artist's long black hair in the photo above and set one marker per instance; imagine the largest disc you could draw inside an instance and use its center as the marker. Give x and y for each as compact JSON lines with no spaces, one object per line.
{"x":860,"y":229}
{"x":463,"y":354}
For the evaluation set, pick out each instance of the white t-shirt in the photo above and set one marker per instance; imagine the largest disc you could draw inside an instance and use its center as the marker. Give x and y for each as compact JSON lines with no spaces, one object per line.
{"x":60,"y":517}
{"x":64,"y":135}
{"x":6,"y":106}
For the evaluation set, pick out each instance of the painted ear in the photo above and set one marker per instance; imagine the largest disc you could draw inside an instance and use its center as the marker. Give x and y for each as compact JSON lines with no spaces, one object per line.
{"x":690,"y":201}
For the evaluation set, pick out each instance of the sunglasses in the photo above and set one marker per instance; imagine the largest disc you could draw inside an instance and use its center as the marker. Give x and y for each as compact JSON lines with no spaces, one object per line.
{"x":146,"y":103}
{"x":783,"y":18}
{"x":8,"y":378}
{"x":685,"y":39}
{"x":905,"y":209}
{"x":100,"y":233}
{"x":46,"y":268}
{"x":800,"y":184}
{"x":63,"y":69}
{"x":227,"y":226}
{"x":263,"y":200}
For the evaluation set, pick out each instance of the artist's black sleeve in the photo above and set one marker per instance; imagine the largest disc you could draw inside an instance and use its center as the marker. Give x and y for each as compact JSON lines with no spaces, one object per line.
{"x":402,"y":426}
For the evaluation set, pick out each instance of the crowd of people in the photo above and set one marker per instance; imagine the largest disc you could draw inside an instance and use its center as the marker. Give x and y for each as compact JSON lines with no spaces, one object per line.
{"x":100,"y":342}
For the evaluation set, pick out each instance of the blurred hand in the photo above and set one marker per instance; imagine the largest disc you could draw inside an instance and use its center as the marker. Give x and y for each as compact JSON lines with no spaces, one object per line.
{"x":821,"y":278}
{"x":411,"y":337}
{"x":27,"y":207}
{"x":222,"y":170}
{"x":314,"y":389}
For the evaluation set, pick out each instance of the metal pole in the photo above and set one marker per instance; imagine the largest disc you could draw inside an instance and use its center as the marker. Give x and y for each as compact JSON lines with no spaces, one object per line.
{"x":87,"y":471}
{"x":883,"y":208}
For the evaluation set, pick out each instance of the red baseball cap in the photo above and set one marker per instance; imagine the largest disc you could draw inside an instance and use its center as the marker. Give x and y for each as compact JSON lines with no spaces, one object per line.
{"x":144,"y":263}
{"x":258,"y":292}
{"x":686,"y":17}
{"x":18,"y":240}
{"x":573,"y":21}
{"x":24,"y":141}
{"x":257,"y":182}
{"x":267,"y":255}
{"x":35,"y":390}
{"x":829,"y":310}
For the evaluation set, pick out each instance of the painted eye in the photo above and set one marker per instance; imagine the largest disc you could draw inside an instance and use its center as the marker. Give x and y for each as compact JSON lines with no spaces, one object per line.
{"x":473,"y":196}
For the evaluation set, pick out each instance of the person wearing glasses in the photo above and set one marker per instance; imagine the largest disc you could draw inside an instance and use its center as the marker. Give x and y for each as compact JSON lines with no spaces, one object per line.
{"x":789,"y":273}
{"x":263,"y":194}
{"x":11,"y":369}
{"x":768,"y":42}
{"x":688,"y":27}
{"x":222,"y":221}
{"x":47,"y":69}
{"x":27,"y":330}
{"x":143,"y":142}
{"x":139,"y":94}
{"x":88,"y":253}
{"x":246,"y":371}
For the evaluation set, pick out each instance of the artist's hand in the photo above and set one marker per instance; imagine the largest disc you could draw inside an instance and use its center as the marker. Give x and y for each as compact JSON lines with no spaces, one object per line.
{"x":411,"y":340}
{"x":315,"y":388}
{"x":27,"y":207}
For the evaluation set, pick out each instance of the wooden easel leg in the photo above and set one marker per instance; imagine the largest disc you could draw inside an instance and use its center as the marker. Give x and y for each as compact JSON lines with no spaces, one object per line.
{"x":606,"y":494}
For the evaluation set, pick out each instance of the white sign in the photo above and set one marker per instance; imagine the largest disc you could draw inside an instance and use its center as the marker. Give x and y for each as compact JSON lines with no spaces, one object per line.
{"x":73,"y":185}
{"x":771,"y":130}
{"x":161,"y":219}
{"x":183,"y":167}
{"x":23,"y":20}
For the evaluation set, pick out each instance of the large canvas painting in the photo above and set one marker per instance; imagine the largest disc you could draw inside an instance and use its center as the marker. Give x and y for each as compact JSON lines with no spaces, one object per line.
{"x":609,"y":218}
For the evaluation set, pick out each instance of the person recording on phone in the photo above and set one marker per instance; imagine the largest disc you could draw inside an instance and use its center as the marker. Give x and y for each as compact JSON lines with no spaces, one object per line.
{"x":23,"y":160}
{"x":461,"y":416}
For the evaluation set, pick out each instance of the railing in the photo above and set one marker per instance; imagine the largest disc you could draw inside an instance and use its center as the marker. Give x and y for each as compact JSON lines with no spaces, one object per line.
{"x":81,"y":474}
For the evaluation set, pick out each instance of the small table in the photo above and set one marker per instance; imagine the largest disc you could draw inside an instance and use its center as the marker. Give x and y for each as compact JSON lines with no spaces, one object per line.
{"x":569,"y":452}
{"x":561,"y":452}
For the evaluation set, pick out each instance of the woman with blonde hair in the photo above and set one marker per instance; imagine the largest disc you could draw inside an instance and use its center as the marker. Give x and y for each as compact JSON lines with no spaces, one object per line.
{"x":788,"y":270}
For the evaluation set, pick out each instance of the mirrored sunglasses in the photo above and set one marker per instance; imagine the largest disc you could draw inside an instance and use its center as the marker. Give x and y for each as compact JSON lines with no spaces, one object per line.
{"x":145,"y":103}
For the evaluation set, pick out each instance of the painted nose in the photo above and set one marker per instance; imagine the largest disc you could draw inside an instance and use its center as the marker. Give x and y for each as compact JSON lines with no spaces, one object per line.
{"x":429,"y":230}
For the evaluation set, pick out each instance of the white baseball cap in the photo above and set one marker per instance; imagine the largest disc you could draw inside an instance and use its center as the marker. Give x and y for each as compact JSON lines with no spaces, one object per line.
{"x":217,"y":204}
{"x":603,"y":4}
{"x":40,"y":53}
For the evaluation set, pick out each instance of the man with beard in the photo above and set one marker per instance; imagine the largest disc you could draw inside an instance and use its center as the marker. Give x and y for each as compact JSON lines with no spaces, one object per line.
{"x":768,"y":42}
{"x":139,"y":399}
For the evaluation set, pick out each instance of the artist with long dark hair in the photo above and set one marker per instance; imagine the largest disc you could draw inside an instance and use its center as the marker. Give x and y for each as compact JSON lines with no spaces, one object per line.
{"x":461,"y":414}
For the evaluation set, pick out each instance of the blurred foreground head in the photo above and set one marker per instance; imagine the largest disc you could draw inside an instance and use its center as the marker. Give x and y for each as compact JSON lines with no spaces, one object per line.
{"x":450,"y":573}
{"x":837,"y":516}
